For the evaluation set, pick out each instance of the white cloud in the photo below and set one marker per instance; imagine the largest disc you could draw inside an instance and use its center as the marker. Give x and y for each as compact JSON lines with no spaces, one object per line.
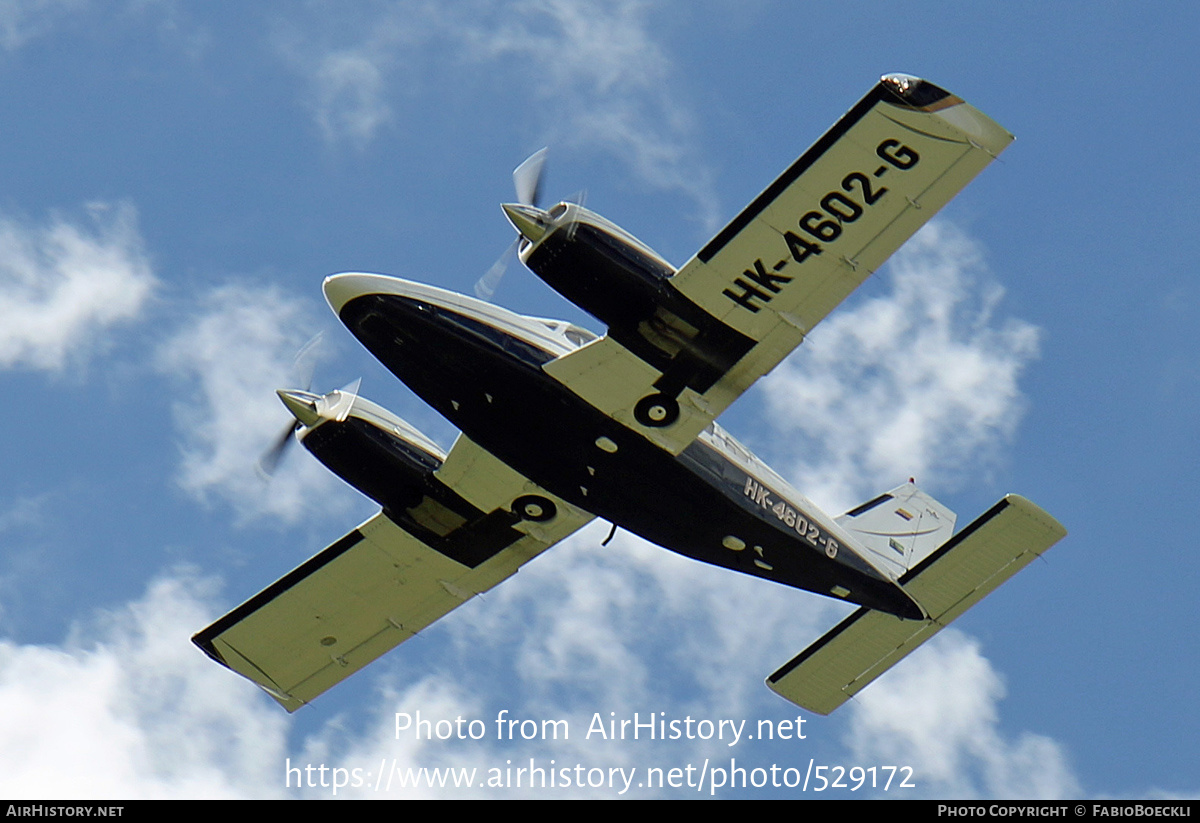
{"x":63,"y":285}
{"x":939,"y":711}
{"x":24,"y":20}
{"x":354,"y":63}
{"x":350,"y":96}
{"x":591,"y":74}
{"x":587,"y":614}
{"x":128,"y":707}
{"x":918,"y":381}
{"x":234,"y":355}
{"x":609,"y":82}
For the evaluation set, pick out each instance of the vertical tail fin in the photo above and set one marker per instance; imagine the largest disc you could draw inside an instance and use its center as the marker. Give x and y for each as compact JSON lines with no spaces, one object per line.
{"x":899,"y":528}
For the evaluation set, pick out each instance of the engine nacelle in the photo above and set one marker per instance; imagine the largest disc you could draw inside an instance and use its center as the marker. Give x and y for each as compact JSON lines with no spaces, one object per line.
{"x":598,"y":267}
{"x":617,"y":279}
{"x":395,"y":465}
{"x":377,"y":453}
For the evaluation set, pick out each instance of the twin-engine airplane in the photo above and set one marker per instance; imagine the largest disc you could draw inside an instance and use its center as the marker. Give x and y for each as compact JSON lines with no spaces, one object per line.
{"x":559,"y":425}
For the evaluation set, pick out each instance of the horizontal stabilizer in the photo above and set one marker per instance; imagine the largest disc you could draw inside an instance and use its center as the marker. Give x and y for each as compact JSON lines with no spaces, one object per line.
{"x":947,"y":583}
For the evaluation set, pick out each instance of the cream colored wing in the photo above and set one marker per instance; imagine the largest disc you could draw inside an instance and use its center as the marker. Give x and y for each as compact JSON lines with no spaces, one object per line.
{"x":797,"y":251}
{"x":383,"y":582}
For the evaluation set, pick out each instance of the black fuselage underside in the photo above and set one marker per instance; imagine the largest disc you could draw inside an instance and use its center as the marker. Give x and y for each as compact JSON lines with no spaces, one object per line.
{"x":492,"y":387}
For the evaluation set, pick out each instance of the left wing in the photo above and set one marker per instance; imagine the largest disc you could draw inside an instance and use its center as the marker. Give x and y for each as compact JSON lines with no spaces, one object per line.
{"x":381,"y":584}
{"x":756,"y":289}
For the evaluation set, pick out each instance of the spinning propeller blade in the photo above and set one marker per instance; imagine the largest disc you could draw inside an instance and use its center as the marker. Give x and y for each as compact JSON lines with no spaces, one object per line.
{"x":307,"y":409}
{"x":303,"y":364}
{"x":269,"y":462}
{"x":527,"y":180}
{"x":485,"y":287}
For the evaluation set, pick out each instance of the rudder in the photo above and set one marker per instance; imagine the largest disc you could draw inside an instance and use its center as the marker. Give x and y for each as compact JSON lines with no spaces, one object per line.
{"x":900,"y":528}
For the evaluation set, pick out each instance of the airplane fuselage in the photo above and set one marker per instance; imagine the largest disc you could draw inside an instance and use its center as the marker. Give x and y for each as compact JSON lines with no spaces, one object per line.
{"x":488,"y":381}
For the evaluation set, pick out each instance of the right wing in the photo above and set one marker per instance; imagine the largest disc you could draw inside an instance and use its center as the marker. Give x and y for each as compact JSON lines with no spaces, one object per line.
{"x":954,"y":578}
{"x":789,"y":258}
{"x":383,"y":582}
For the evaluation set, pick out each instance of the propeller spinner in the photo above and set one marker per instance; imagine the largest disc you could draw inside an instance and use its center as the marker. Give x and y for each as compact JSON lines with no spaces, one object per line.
{"x":310,"y":410}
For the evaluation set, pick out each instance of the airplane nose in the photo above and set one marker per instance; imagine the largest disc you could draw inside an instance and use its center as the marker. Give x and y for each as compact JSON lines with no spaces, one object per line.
{"x":531,"y":222}
{"x":340,"y":289}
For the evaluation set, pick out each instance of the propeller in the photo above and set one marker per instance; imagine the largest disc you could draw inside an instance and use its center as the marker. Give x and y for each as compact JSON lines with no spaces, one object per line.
{"x":307,"y":408}
{"x":303,"y":366}
{"x":579,"y":198}
{"x":269,"y":462}
{"x":485,"y":287}
{"x":527,"y":179}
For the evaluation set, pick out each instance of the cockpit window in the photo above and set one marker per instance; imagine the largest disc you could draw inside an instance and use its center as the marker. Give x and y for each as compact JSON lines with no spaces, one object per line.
{"x":525,"y":350}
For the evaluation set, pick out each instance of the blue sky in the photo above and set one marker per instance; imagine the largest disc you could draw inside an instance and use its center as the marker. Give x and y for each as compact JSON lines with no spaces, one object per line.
{"x":178,"y":178}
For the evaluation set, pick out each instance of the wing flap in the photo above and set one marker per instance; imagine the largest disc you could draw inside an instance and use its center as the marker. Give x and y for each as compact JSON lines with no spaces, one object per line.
{"x":947,"y":583}
{"x":376,"y":587}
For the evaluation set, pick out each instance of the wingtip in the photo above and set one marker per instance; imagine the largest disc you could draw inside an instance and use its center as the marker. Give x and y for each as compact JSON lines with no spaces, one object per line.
{"x":1035,"y":511}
